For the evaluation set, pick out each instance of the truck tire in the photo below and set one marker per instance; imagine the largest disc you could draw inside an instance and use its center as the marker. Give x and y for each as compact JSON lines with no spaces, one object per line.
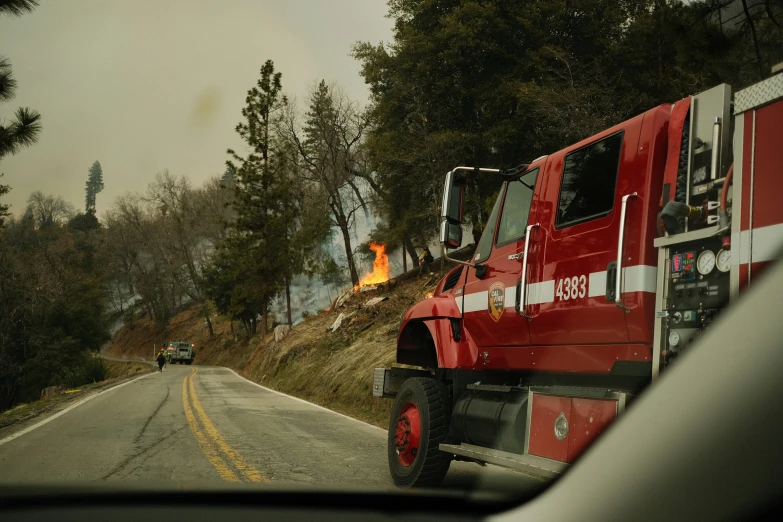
{"x":189,"y":362}
{"x":419,"y":423}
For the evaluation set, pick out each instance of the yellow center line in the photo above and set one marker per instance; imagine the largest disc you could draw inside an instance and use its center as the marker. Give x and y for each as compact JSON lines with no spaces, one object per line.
{"x":251,"y":473}
{"x":207,"y":448}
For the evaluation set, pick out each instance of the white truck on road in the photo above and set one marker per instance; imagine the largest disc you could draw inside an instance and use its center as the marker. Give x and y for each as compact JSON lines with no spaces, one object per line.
{"x":180,"y":352}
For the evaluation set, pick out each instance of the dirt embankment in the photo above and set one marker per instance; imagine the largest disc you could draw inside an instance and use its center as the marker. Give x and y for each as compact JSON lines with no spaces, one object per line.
{"x":333,"y":369}
{"x":118,"y":369}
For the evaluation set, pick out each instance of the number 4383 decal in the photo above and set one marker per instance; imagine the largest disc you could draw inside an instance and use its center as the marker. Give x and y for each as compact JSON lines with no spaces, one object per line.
{"x":571,"y":287}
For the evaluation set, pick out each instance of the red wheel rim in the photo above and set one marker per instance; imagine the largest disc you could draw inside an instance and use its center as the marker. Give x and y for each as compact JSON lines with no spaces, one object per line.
{"x":408,"y":434}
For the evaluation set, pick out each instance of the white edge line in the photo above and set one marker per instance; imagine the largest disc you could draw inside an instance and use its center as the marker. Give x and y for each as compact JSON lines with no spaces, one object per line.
{"x":66,"y":410}
{"x":304,"y":401}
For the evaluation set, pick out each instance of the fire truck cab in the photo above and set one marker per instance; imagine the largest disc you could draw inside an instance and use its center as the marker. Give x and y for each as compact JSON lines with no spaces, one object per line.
{"x":600,"y":264}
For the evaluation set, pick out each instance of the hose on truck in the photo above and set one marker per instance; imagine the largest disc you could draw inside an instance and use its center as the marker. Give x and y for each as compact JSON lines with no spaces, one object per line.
{"x":681,"y":188}
{"x":723,"y":211}
{"x":671,"y":219}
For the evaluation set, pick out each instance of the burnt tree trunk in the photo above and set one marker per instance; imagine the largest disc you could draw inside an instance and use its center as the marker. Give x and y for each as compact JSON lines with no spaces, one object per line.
{"x":349,"y":254}
{"x":288,"y":300}
{"x":264,"y":319}
{"x":209,"y":325}
{"x":411,"y":251}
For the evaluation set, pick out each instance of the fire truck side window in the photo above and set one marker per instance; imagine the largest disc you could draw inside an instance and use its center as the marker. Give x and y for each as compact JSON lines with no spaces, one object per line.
{"x":516,"y":208}
{"x":589,"y":178}
{"x":485,"y":243}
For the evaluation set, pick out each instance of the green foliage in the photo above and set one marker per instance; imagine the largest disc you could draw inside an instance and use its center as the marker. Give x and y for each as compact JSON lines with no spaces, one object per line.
{"x":4,"y":189}
{"x":230,"y":281}
{"x":52,"y":302}
{"x":17,"y":7}
{"x":331,"y":273}
{"x":495,"y":83}
{"x":94,"y":371}
{"x":93,"y":186}
{"x":25,"y":127}
{"x":52,"y":308}
{"x":84,"y":222}
{"x":251,"y":265}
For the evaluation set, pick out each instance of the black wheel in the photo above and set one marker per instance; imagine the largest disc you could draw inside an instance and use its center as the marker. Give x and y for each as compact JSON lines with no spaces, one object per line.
{"x":189,"y":362}
{"x":419,"y":423}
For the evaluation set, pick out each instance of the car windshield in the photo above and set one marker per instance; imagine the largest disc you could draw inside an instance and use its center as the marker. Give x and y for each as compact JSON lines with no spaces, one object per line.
{"x":219,"y":231}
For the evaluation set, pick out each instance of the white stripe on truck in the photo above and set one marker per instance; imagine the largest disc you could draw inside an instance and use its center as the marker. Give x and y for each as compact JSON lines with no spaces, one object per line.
{"x":757,"y":245}
{"x":638,"y":278}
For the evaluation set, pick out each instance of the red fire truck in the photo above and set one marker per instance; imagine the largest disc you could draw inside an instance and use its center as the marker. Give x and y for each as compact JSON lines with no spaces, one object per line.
{"x":599,"y":265}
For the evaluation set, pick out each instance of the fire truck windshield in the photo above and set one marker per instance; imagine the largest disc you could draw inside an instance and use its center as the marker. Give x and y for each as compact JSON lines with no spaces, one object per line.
{"x":516,"y":207}
{"x":488,"y":233}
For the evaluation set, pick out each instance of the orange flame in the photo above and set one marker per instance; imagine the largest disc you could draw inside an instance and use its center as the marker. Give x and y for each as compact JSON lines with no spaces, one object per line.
{"x":380,"y":267}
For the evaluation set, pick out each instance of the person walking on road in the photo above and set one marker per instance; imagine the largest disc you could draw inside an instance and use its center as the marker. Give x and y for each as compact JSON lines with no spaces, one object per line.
{"x":161,"y":359}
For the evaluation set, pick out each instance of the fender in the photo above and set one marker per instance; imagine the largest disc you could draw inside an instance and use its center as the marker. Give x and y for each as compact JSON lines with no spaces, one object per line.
{"x":427,"y":336}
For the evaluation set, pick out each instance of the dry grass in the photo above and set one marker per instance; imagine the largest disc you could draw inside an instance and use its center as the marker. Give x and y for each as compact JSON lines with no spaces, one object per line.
{"x":117,"y":369}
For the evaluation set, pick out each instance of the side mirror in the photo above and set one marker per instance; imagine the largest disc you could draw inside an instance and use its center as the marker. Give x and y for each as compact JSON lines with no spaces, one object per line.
{"x":453,"y":194}
{"x":450,"y":234}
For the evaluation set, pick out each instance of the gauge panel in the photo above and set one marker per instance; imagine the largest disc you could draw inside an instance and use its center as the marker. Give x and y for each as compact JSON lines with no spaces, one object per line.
{"x":705,"y":263}
{"x":693,"y":281}
{"x":723,"y":260}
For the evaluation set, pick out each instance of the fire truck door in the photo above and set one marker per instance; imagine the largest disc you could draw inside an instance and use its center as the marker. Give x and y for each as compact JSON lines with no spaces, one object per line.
{"x":489,"y":313}
{"x":580,"y":219}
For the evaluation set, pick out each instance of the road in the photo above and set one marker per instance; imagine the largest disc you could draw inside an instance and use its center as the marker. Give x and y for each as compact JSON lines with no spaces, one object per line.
{"x":201,"y":425}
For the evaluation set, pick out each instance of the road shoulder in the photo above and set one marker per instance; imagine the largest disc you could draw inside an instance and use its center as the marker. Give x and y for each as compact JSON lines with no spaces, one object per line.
{"x":22,"y":417}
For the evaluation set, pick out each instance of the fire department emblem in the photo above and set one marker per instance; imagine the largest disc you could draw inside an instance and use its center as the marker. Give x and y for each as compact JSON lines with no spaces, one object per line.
{"x":561,"y":426}
{"x":497,"y":300}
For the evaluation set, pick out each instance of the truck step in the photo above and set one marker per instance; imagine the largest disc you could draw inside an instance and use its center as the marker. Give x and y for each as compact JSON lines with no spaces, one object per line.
{"x":529,"y":464}
{"x":493,"y":387}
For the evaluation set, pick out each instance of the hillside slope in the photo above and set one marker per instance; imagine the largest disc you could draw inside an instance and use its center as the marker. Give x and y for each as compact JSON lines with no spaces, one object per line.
{"x":333,"y":369}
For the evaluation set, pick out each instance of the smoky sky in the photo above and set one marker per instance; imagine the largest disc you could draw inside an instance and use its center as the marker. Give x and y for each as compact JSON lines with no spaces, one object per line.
{"x":150,"y":85}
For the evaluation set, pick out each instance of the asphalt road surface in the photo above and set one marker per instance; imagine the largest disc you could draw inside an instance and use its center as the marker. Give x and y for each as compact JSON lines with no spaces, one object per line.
{"x":202,"y":425}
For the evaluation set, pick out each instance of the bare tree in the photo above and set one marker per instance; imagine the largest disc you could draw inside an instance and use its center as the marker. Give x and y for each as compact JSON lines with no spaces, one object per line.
{"x":329,"y":143}
{"x":136,"y":248}
{"x":173,"y":201}
{"x":214,"y":206}
{"x":47,"y":209}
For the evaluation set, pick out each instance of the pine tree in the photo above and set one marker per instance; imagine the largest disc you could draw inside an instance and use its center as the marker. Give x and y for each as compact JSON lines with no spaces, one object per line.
{"x":93,"y":186}
{"x":262,"y":200}
{"x":17,"y":7}
{"x":24,"y":129}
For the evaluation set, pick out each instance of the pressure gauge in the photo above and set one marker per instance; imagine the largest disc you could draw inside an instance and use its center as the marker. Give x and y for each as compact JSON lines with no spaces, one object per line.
{"x":706,"y":262}
{"x":674,"y":339}
{"x":723,"y":260}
